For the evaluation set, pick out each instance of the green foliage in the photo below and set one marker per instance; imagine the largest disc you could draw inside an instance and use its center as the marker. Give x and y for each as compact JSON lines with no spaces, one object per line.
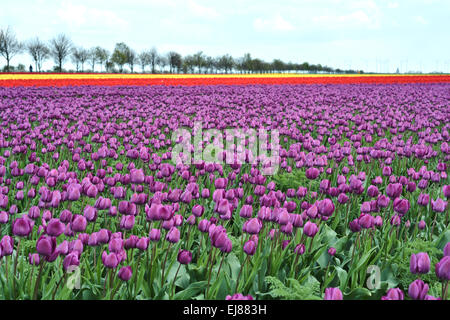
{"x":403,"y":274}
{"x":293,"y":180}
{"x":308,"y":290}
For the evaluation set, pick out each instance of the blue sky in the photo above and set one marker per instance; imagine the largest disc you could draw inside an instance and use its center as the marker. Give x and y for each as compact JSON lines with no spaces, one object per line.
{"x":373,"y":35}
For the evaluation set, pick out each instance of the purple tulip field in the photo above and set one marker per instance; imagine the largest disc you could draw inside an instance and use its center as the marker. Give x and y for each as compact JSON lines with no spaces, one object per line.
{"x":106,"y":193}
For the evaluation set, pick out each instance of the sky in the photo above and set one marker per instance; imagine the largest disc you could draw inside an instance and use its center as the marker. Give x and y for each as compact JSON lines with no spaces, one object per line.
{"x":371,"y":35}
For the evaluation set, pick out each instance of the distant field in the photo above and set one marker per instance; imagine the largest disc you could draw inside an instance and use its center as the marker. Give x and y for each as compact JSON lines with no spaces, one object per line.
{"x":78,"y":79}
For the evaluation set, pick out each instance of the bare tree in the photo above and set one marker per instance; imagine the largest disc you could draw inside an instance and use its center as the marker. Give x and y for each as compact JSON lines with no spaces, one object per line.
{"x":76,"y":58}
{"x":79,"y":57}
{"x":60,"y":49}
{"x":38,"y":51}
{"x":162,"y":62}
{"x":144,"y":59}
{"x":102,"y":56}
{"x":9,"y":45}
{"x":199,"y":59}
{"x":188,"y":64}
{"x":175,"y":61}
{"x":84,"y":55}
{"x":92,"y":58}
{"x":226,"y":63}
{"x":132,"y":59}
{"x":153,"y":58}
{"x":209,"y":64}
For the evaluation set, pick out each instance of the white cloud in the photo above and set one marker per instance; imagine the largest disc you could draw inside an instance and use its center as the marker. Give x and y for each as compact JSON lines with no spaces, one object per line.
{"x":354,"y":19}
{"x":276,"y":23}
{"x":202,"y":11}
{"x":367,"y":5}
{"x":393,"y":5}
{"x":352,"y":14}
{"x":79,"y":16}
{"x":420,"y":20}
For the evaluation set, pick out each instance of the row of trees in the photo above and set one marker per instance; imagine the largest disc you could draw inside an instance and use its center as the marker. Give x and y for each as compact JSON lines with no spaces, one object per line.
{"x":61,"y":48}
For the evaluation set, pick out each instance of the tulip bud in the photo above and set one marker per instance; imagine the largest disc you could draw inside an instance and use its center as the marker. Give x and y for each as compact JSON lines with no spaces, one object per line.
{"x":173,"y":235}
{"x":439,"y":205}
{"x":310,"y":229}
{"x":34,"y":259}
{"x":394,"y":294}
{"x":184,"y":256}
{"x":332,"y":251}
{"x":79,"y":223}
{"x":55,"y":228}
{"x":447,"y":249}
{"x":250,"y":248}
{"x":442,"y":268}
{"x":110,"y":260}
{"x":422,"y":225}
{"x":419,"y":263}
{"x":418,"y":290}
{"x":197,"y":210}
{"x":354,"y":225}
{"x":7,"y":245}
{"x":72,"y":259}
{"x":142,"y":244}
{"x":300,"y":249}
{"x":325,"y":207}
{"x":125,"y":273}
{"x":155,"y":235}
{"x":333,"y":294}
{"x":46,"y":246}
{"x":22,"y":227}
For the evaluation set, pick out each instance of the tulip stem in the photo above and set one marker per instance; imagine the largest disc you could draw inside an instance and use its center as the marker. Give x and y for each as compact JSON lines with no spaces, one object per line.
{"x":347,"y":213}
{"x":151,"y":266}
{"x":187,"y":238}
{"x":209,"y":258}
{"x":57,"y":286}
{"x":31,"y":278}
{"x":218,"y":271}
{"x":136,"y":274}
{"x":38,"y":279}
{"x":95,"y":260}
{"x":210,"y":271}
{"x":7,"y":270}
{"x":416,"y":227}
{"x":115,"y":291}
{"x":432,"y":226}
{"x":172,"y":290}
{"x":446,"y":215}
{"x":104,"y":285}
{"x":15,"y":268}
{"x":164,"y":264}
{"x":311,"y":244}
{"x":200,"y":244}
{"x":326,"y":275}
{"x":111,"y":280}
{"x":354,"y":247}
{"x":445,"y":290}
{"x":239,"y":275}
{"x":294,"y":266}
